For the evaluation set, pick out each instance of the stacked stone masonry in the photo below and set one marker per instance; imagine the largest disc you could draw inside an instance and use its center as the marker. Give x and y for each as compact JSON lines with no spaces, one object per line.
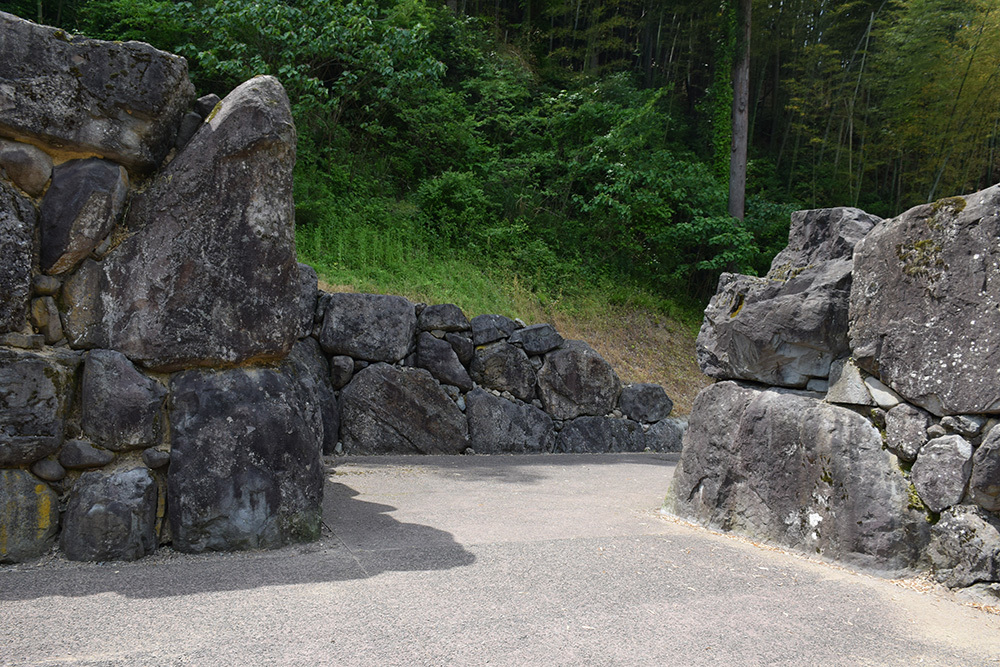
{"x":170,"y":374}
{"x":858,"y":393}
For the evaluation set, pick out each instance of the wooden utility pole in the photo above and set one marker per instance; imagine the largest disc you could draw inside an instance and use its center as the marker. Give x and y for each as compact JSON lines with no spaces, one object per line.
{"x":741,"y":112}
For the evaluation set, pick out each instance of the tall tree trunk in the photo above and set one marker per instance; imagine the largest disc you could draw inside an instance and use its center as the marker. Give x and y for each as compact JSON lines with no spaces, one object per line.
{"x":741,"y":107}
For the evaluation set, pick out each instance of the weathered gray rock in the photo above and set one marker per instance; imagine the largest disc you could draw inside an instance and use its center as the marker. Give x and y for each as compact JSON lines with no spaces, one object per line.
{"x":186,"y":288}
{"x":665,"y":436}
{"x":443,"y":317}
{"x":36,"y":390}
{"x":599,"y":435}
{"x":341,"y":371}
{"x":967,"y":426}
{"x":797,"y":471}
{"x":965,"y":548}
{"x":17,"y":231}
{"x":29,"y":168}
{"x":984,"y":482}
{"x":121,"y":407}
{"x":391,"y":410}
{"x":846,"y":384}
{"x":370,"y":327}
{"x":309,"y":285}
{"x":787,"y":328}
{"x":155,"y":458}
{"x":942,"y":471}
{"x":906,"y":431}
{"x":44,"y":317}
{"x":536,"y":339}
{"x":205,"y":104}
{"x":922,"y":306}
{"x":42,"y":285}
{"x":29,"y":516}
{"x":645,"y":403}
{"x":462,"y":344}
{"x":488,"y":329}
{"x":187,"y":128}
{"x":245,"y":463}
{"x":309,"y":366}
{"x":503,"y":367}
{"x":81,"y":207}
{"x":575,"y":381}
{"x":81,"y":455}
{"x":110,"y":516}
{"x":438,"y":357}
{"x":48,"y":469}
{"x":23,"y":341}
{"x":499,"y":426}
{"x":883,"y":396}
{"x":118,"y":100}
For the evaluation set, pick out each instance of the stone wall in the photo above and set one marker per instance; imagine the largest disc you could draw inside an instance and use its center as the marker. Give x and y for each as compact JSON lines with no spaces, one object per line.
{"x":858,"y":390}
{"x":169,"y":374}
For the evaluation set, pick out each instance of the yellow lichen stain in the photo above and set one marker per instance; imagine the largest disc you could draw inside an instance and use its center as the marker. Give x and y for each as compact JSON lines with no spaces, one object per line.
{"x":213,"y":112}
{"x":44,"y":510}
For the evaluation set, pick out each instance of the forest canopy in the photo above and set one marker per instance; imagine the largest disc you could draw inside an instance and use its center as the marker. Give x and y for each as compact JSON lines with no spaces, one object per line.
{"x":583,"y":140}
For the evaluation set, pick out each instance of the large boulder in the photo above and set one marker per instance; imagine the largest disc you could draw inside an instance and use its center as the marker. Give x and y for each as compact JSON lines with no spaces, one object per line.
{"x":81,"y":207}
{"x":36,"y":390}
{"x":121,"y":407}
{"x":121,"y":101}
{"x":28,"y":167}
{"x":576,"y":381}
{"x":790,"y":469}
{"x":536,"y":339}
{"x":391,"y":410}
{"x":370,"y":327}
{"x":443,"y":317}
{"x":186,"y":287}
{"x":439,"y":357}
{"x":29,"y":516}
{"x":245,"y":460}
{"x":600,"y":435}
{"x":488,"y":329}
{"x":984,"y":483}
{"x":111,"y":516}
{"x":17,"y":234}
{"x":312,"y":370}
{"x":923,"y":304}
{"x":645,"y":402}
{"x":942,"y":471}
{"x":500,"y":426}
{"x":965,"y":547}
{"x":788,"y":327}
{"x":502,"y":367}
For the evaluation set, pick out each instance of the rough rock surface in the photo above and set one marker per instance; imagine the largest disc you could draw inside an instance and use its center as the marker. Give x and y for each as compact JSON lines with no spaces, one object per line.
{"x":906,"y":431}
{"x":645,"y":402}
{"x":29,"y":516}
{"x":443,"y":317}
{"x":370,"y":327}
{"x":537,"y":339}
{"x":44,"y":317}
{"x":80,"y":455}
{"x":965,"y":547}
{"x":503,"y":367}
{"x":121,"y":101}
{"x":942,"y":471}
{"x":438,"y":357}
{"x":788,"y":327}
{"x":35,"y":394}
{"x":81,"y":207}
{"x":391,"y":410}
{"x":310,"y":368}
{"x":599,"y":435}
{"x":17,"y":231}
{"x":462,"y":344}
{"x":791,"y":469}
{"x":27,"y":166}
{"x":245,"y":464}
{"x":488,"y":329}
{"x":846,"y":384}
{"x":309,"y":286}
{"x":499,"y":426}
{"x":341,"y":371}
{"x":121,"y":407}
{"x":575,"y":381}
{"x":110,"y":516}
{"x":923,"y":314}
{"x":665,"y":436}
{"x":186,"y":288}
{"x":984,"y":483}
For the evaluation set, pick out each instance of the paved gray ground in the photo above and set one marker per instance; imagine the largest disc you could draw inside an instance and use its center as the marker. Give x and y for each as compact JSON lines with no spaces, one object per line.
{"x":486,"y":560}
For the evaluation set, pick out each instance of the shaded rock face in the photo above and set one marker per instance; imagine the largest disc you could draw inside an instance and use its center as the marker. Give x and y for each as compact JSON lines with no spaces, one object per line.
{"x":942,"y":471}
{"x":111,"y":516}
{"x":598,"y":435}
{"x":965,"y":548}
{"x":443,"y":317}
{"x":923,"y":315}
{"x":370,"y":327}
{"x":186,"y":288}
{"x":309,"y":285}
{"x":80,"y":208}
{"x":36,"y":390}
{"x":134,"y":94}
{"x":245,"y":468}
{"x":537,"y":339}
{"x":27,"y":166}
{"x":17,"y":231}
{"x":576,"y":381}
{"x":984,"y":483}
{"x":312,"y":371}
{"x":503,"y":367}
{"x":488,"y":329}
{"x":906,"y":431}
{"x":29,"y":516}
{"x":787,"y":328}
{"x":796,"y":471}
{"x":121,"y":408}
{"x":644,"y":402}
{"x":499,"y":426}
{"x":390,"y":410}
{"x":439,"y":357}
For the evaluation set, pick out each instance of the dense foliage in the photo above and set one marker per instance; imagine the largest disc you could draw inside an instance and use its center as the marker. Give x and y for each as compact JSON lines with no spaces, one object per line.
{"x":562,"y":141}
